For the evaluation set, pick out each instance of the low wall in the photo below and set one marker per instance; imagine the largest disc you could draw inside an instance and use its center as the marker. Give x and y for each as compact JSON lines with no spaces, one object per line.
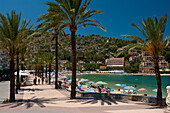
{"x":146,"y":99}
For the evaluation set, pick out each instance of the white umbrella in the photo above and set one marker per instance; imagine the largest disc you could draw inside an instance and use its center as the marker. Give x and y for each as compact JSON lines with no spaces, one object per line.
{"x":83,"y":80}
{"x":69,"y":80}
{"x":22,"y":73}
{"x":155,"y":90}
{"x":100,"y":82}
{"x":129,"y":87}
{"x":117,"y":84}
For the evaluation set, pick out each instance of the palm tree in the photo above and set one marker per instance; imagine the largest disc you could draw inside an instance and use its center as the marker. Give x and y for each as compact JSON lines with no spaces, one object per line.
{"x":10,"y":33}
{"x":153,"y":42}
{"x":51,"y":24}
{"x":23,"y":40}
{"x":72,"y":14}
{"x":49,"y":58}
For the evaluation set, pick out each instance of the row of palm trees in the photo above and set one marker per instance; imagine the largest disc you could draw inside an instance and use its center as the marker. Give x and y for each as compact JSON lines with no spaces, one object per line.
{"x":13,"y":37}
{"x":73,"y":14}
{"x":62,"y":14}
{"x":70,"y":14}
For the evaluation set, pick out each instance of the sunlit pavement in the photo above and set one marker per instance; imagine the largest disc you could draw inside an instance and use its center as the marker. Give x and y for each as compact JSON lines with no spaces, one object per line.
{"x":4,"y":90}
{"x":46,"y":99}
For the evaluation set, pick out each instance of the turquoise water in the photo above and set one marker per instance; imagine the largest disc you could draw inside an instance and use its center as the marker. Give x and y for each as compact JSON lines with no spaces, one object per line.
{"x":147,"y":82}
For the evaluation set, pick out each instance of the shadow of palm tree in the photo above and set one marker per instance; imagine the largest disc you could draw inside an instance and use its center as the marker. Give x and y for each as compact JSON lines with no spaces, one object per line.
{"x":94,"y":100}
{"x":30,"y":89}
{"x":31,"y":102}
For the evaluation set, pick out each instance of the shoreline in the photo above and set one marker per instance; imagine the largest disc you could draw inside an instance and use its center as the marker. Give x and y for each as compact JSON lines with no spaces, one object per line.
{"x":128,"y":74}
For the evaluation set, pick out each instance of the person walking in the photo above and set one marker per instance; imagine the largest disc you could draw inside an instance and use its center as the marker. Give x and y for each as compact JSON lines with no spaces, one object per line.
{"x":39,"y":81}
{"x":46,"y":80}
{"x":42,"y":80}
{"x":108,"y":91}
{"x":35,"y":81}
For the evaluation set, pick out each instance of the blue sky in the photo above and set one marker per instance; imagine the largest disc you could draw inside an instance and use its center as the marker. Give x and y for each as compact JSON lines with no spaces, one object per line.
{"x":117,"y":14}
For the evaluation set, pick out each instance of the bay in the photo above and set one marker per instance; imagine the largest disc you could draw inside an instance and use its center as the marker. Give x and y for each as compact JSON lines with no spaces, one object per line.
{"x":148,"y":82}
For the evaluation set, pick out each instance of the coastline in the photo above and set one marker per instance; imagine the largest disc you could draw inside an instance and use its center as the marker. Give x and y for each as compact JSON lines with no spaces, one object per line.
{"x":131,"y":74}
{"x":135,"y":74}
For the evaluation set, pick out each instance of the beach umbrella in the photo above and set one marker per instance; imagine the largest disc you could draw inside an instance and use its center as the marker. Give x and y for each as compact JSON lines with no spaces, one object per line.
{"x":155,"y":90}
{"x":122,"y":85}
{"x":69,"y":80}
{"x":83,"y":80}
{"x":129,"y":87}
{"x":100,"y":82}
{"x":63,"y":77}
{"x":117,"y":84}
{"x":142,"y":89}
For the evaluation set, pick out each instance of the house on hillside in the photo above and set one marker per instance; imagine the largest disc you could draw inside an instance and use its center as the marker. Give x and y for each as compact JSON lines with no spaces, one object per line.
{"x":147,"y":65}
{"x":115,"y":64}
{"x":133,"y":52}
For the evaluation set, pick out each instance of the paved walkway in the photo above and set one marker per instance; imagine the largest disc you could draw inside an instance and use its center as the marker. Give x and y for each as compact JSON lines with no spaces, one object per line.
{"x":46,"y":99}
{"x":4,"y":89}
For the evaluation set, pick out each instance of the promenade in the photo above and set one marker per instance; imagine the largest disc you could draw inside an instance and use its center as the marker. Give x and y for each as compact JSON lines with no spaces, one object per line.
{"x":46,"y":99}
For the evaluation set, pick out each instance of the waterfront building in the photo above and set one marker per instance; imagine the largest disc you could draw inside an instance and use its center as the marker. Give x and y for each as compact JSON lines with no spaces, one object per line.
{"x":134,"y":58}
{"x":127,"y":64}
{"x":80,"y":63}
{"x":102,"y":67}
{"x":133,"y":52}
{"x":92,"y":62}
{"x":145,"y":53}
{"x":147,"y":65}
{"x":115,"y":64}
{"x":99,"y":62}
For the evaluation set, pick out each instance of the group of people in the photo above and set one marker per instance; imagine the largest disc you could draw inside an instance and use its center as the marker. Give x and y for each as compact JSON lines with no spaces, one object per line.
{"x":39,"y":80}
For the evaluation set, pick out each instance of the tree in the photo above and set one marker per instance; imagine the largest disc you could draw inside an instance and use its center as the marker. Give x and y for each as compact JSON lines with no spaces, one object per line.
{"x":11,"y":34}
{"x":49,"y":58}
{"x":154,"y":42}
{"x":51,"y":22}
{"x":73,"y":14}
{"x":23,"y":40}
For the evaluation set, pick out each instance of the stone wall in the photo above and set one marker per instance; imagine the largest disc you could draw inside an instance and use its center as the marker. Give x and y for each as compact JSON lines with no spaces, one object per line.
{"x":141,"y":98}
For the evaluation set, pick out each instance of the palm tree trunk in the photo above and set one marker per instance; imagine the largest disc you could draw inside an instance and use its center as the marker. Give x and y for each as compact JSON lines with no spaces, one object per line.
{"x":18,"y":84}
{"x":56,"y":64}
{"x":158,"y":78}
{"x":36,"y":70}
{"x":73,"y":83}
{"x":12,"y":79}
{"x":46,"y":71}
{"x":22,"y":65}
{"x":49,"y":74}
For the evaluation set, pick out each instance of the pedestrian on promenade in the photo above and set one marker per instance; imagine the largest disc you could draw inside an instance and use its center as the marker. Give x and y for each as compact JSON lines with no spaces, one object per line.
{"x":46,"y":80}
{"x":42,"y":80}
{"x":39,"y":81}
{"x":60,"y":84}
{"x":108,"y":91}
{"x":99,"y":88}
{"x":35,"y":81}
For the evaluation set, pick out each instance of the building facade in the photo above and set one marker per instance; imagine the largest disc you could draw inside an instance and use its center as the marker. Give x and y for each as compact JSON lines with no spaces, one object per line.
{"x":115,"y":64}
{"x":147,"y":65}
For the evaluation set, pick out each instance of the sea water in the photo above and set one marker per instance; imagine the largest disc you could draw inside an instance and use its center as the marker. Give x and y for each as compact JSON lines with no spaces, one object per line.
{"x":147,"y":82}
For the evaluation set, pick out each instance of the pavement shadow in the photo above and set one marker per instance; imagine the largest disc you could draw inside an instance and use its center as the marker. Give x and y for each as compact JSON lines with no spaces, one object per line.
{"x":30,"y":89}
{"x":28,"y":103}
{"x":94,"y":100}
